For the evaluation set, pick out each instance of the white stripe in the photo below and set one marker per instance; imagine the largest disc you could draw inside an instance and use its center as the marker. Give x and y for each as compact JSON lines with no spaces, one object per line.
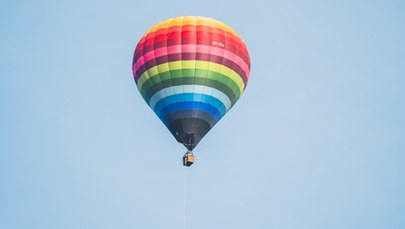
{"x":175,"y":90}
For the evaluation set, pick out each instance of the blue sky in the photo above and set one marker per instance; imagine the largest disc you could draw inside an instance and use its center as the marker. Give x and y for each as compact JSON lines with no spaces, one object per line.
{"x":316,"y":141}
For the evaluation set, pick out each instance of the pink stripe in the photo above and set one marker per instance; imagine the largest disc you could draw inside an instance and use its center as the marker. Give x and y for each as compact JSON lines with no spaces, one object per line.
{"x":206,"y":49}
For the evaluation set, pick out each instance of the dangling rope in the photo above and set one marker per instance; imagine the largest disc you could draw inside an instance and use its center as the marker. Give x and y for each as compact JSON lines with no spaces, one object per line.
{"x":185,"y":198}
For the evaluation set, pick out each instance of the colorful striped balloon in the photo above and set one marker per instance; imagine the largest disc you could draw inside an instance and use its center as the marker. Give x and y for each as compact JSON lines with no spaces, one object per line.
{"x":191,"y":71}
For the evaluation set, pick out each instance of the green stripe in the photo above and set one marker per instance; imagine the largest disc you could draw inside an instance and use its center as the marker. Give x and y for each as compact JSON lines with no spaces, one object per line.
{"x":191,"y":65}
{"x":190,"y":77}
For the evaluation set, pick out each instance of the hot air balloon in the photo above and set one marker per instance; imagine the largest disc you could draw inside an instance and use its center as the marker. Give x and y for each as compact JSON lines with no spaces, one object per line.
{"x":191,"y":71}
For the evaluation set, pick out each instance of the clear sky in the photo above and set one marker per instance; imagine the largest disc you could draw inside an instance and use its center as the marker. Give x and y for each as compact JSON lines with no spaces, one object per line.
{"x":316,"y":141}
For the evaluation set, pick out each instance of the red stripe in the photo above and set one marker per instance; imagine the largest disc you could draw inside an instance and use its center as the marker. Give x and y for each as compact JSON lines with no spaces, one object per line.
{"x":192,"y":30}
{"x":200,"y":35}
{"x":141,"y":50}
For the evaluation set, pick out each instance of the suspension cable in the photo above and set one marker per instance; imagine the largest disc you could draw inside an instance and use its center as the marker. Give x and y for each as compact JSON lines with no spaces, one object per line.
{"x":185,"y":198}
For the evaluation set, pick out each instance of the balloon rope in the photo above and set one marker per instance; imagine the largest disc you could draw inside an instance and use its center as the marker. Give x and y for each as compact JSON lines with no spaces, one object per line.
{"x":185,"y":198}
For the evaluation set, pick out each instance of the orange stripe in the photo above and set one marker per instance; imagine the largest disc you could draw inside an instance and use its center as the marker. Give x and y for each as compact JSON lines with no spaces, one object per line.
{"x":195,"y":21}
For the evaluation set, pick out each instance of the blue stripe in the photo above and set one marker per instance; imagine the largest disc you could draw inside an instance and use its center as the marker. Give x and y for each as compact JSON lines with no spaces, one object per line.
{"x":189,"y":106}
{"x":190,"y":97}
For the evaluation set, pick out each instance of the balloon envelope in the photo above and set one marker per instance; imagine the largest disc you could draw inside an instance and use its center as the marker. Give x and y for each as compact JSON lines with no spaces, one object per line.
{"x":191,"y":71}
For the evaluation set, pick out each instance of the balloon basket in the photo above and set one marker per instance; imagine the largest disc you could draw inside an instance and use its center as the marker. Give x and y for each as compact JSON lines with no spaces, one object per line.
{"x":188,"y":159}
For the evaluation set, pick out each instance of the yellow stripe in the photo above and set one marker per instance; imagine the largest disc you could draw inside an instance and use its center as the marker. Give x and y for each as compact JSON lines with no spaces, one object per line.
{"x":196,"y":21}
{"x":191,"y":64}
